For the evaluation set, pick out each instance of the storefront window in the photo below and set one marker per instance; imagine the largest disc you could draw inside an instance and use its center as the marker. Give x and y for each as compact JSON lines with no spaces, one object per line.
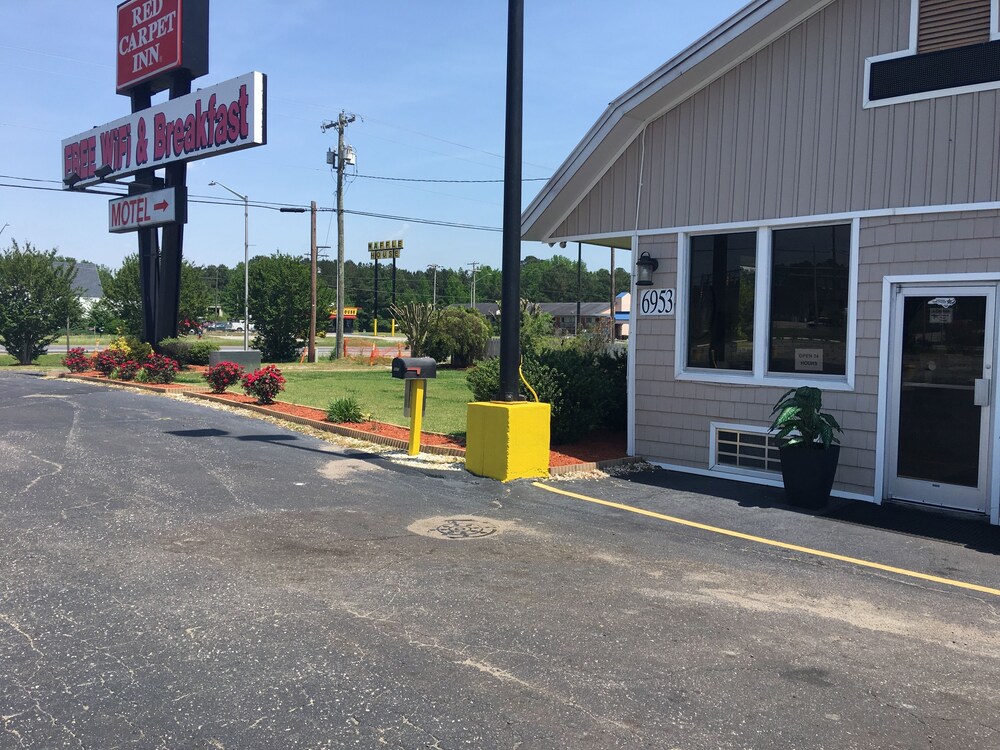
{"x":809,"y":299}
{"x":721,"y":301}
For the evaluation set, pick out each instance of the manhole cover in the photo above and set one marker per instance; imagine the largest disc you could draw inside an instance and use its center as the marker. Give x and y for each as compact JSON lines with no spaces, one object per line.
{"x":465,"y":528}
{"x":456,"y":528}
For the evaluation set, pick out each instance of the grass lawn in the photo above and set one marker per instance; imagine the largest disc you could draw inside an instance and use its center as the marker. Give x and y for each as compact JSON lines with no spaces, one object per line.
{"x":45,"y":361}
{"x":378,"y":393}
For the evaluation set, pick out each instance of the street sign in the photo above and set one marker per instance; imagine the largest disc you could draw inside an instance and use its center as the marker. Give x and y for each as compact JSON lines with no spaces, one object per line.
{"x":151,"y":209}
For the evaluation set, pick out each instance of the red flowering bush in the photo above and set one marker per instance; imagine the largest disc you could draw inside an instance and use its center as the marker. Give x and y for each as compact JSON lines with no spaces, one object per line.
{"x":160,"y":369}
{"x":109,"y":360}
{"x":126,"y":370}
{"x":264,"y":384}
{"x":223,"y":375}
{"x":77,"y":361}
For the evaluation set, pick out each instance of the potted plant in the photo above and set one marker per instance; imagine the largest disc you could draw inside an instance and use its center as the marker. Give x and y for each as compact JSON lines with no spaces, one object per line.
{"x":808,"y":446}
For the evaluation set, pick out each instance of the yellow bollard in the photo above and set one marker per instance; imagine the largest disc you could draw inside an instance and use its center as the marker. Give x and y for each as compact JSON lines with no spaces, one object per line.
{"x":393,"y":332}
{"x":416,"y":413}
{"x":376,"y":327}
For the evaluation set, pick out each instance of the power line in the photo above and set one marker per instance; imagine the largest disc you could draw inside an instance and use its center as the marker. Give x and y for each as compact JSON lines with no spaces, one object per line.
{"x":272,"y":206}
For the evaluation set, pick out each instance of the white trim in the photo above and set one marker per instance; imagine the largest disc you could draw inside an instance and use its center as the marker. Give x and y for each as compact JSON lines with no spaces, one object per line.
{"x":830,"y":218}
{"x":914,"y":27}
{"x":750,"y":480}
{"x":911,"y":50}
{"x":760,"y":376}
{"x":680,"y":318}
{"x":633,"y":335}
{"x":889,"y":285}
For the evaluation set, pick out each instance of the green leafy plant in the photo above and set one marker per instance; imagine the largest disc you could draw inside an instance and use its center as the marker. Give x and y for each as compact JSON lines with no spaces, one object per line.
{"x":188,"y":350}
{"x":264,"y":384}
{"x":345,"y":410}
{"x":223,"y":375}
{"x":799,"y":420}
{"x":459,"y":333}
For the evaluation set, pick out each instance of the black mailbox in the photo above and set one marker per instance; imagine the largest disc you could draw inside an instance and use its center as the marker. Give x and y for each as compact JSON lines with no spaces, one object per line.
{"x":411,"y":368}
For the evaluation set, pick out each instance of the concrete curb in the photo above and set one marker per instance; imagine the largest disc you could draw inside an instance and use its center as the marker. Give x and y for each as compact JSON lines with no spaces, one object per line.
{"x":440,"y":450}
{"x":337,"y":429}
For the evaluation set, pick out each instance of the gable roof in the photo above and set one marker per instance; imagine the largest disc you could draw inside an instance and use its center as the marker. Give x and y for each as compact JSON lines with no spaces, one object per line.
{"x":87,"y":281}
{"x":728,"y":44}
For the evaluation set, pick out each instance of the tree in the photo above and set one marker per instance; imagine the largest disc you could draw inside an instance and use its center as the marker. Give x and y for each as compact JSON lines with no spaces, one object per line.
{"x":36,"y":300}
{"x":123,"y":294}
{"x":460,"y":333}
{"x":280,"y":304}
{"x":415,"y":320}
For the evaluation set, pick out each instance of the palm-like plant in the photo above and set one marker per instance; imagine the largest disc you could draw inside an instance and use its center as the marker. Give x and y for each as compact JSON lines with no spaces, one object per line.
{"x":415,"y":321}
{"x":800,"y":421}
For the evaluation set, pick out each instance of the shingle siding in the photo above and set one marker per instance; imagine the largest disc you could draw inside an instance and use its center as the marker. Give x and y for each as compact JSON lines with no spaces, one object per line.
{"x":784,"y":134}
{"x":673,"y":418}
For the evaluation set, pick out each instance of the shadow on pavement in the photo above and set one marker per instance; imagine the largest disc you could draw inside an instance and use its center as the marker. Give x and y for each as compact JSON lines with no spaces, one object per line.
{"x":968,"y":530}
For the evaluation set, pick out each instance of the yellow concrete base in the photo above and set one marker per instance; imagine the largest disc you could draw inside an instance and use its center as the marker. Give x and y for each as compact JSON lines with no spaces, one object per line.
{"x":508,"y":441}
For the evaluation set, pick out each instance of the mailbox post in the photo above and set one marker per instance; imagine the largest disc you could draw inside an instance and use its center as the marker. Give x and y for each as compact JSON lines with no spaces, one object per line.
{"x":414,"y":371}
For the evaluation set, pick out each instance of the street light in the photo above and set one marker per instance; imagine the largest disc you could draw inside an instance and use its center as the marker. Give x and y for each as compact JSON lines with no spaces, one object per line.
{"x":246,"y":262}
{"x":4,"y":227}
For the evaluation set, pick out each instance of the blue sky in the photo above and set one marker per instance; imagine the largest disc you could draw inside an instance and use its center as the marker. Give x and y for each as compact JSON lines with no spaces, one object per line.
{"x":425,"y":79}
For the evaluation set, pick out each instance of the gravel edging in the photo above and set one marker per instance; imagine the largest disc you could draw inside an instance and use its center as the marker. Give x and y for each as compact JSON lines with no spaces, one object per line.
{"x":337,"y":429}
{"x":197,"y":392}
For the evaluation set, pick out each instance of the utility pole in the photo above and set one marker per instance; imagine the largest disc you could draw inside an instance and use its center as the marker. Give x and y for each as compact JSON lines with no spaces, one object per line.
{"x":434,"y":267}
{"x":343,"y":120}
{"x":313,"y":257}
{"x":475,"y":267}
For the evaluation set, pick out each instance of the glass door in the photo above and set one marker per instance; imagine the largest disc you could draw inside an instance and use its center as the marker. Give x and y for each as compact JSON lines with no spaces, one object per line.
{"x":941,"y":392}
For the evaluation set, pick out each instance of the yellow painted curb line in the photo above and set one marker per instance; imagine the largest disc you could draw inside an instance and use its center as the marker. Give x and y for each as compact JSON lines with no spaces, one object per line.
{"x":774,"y":543}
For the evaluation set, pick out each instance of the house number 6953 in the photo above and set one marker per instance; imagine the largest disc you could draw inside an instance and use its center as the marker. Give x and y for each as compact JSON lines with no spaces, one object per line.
{"x":656,"y":302}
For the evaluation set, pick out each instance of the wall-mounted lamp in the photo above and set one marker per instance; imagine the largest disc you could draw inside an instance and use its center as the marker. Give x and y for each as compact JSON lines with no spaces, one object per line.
{"x":71,"y":179}
{"x":644,"y":268}
{"x":103,"y":171}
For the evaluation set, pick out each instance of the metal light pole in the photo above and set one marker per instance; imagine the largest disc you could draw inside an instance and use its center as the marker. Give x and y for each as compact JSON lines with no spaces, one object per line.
{"x":510,"y":320}
{"x":246,"y":262}
{"x":3,"y":228}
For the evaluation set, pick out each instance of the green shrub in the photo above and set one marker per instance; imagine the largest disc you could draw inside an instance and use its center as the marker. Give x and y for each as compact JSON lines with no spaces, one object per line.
{"x":345,"y":410}
{"x":586,"y":392}
{"x":188,"y":350}
{"x":460,"y":333}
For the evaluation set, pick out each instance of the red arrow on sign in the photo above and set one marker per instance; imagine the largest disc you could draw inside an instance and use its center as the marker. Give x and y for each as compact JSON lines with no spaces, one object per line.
{"x":161,"y":206}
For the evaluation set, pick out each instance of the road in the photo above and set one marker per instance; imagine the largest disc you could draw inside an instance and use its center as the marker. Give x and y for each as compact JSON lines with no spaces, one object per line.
{"x":181,"y":577}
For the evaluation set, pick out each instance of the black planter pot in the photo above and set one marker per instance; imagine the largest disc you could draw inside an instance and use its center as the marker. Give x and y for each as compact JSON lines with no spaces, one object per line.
{"x":807,"y":471}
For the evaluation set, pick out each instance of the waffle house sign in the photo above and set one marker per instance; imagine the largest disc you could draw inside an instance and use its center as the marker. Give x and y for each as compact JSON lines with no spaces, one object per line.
{"x":387,"y":250}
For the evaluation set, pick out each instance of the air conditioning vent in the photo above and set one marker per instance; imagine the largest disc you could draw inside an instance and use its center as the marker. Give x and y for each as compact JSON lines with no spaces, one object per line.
{"x":745,"y":449}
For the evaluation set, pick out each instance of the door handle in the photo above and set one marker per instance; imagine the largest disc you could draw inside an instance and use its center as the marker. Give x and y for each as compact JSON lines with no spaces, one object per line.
{"x":982,"y":392}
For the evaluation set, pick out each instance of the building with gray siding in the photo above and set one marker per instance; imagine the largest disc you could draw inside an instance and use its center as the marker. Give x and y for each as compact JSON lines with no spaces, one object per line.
{"x":820,"y":185}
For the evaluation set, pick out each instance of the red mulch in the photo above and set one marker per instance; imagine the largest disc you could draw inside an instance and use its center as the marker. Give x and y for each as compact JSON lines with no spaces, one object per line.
{"x":600,"y":445}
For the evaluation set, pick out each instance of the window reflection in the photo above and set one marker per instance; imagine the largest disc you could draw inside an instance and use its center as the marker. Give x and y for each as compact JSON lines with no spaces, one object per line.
{"x":809,"y":300}
{"x":721,"y":301}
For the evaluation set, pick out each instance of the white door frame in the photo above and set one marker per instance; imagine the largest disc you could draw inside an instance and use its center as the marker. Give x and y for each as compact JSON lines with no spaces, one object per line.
{"x":887,"y":357}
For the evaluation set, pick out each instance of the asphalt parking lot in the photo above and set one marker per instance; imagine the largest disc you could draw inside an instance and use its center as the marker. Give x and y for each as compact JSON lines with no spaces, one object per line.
{"x":182,"y":577}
